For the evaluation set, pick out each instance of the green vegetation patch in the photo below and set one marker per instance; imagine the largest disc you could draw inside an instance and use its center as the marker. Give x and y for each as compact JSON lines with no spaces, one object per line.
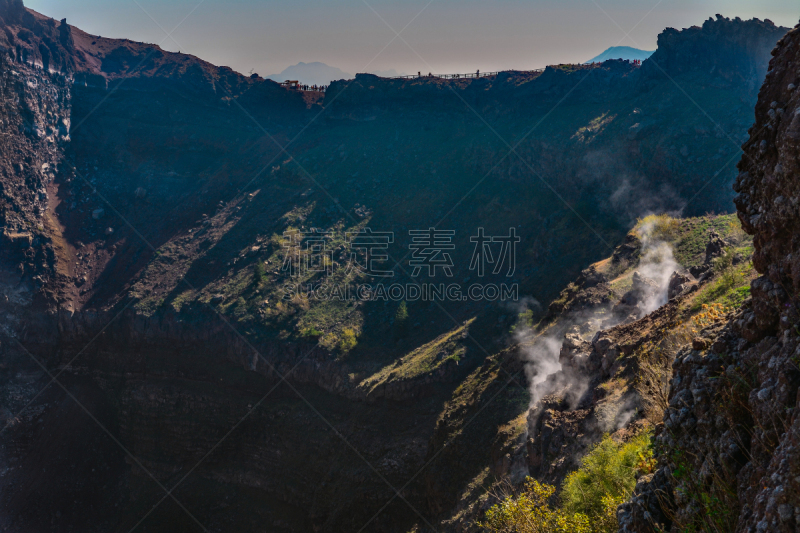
{"x":607,"y":477}
{"x":731,"y":287}
{"x":660,"y":227}
{"x":589,"y":497}
{"x":424,"y":359}
{"x":690,"y":247}
{"x":530,"y":512}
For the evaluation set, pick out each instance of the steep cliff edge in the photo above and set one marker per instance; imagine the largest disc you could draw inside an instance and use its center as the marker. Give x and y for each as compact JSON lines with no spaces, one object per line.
{"x":35,"y":110}
{"x":728,"y":450}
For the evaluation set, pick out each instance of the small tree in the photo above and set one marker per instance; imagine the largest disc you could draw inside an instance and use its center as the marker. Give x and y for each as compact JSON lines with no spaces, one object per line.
{"x":401,"y":320}
{"x":348,"y":340}
{"x":260,"y":271}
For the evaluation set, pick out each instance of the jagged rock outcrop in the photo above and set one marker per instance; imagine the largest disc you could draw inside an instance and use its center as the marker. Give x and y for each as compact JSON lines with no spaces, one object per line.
{"x":690,"y":50}
{"x":586,"y":398}
{"x":36,"y":40}
{"x":633,"y":303}
{"x":728,"y":450}
{"x":678,"y":283}
{"x":35,"y":110}
{"x":715,"y":248}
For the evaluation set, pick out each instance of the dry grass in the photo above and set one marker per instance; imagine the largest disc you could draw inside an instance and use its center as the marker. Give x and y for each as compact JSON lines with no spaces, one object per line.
{"x":660,"y":227}
{"x":654,"y":360}
{"x":425,"y":359}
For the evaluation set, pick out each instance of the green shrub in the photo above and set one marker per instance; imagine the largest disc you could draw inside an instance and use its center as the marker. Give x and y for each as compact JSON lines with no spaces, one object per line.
{"x":729,"y":276}
{"x":606,"y":477}
{"x":259,"y":271}
{"x":524,"y":320}
{"x":310,"y":332}
{"x":348,"y":340}
{"x":530,"y":512}
{"x":589,"y":498}
{"x":723,"y":263}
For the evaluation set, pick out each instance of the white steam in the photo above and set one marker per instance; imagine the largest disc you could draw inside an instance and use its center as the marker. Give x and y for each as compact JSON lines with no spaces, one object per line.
{"x":544,"y":370}
{"x":542,"y":356}
{"x":657,"y":263}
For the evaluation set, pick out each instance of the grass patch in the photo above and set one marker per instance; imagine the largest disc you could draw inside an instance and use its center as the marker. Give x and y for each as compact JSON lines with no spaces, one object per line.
{"x":424,"y":359}
{"x":516,"y":427}
{"x":595,"y":126}
{"x":659,"y":227}
{"x":731,"y":288}
{"x":690,"y":246}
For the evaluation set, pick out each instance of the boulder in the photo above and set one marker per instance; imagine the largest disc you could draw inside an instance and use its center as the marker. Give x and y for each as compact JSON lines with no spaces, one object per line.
{"x":678,"y":283}
{"x":715,"y":247}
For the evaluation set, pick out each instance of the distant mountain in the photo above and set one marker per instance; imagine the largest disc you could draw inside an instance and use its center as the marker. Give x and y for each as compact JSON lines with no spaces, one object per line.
{"x":315,"y":73}
{"x":621,"y":52}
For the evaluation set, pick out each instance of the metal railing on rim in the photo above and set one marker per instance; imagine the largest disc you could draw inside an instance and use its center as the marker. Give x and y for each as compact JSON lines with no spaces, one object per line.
{"x":470,"y":75}
{"x":476,"y":74}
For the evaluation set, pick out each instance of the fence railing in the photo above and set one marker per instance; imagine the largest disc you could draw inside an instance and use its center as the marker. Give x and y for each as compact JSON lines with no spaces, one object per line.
{"x":477,"y":74}
{"x":469,"y":75}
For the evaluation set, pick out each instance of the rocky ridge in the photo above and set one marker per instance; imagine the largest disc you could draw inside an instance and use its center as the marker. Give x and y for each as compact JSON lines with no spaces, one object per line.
{"x":728,"y":450}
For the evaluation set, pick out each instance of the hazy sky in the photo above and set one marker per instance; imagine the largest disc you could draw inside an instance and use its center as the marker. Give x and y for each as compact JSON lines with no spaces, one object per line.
{"x":446,"y":35}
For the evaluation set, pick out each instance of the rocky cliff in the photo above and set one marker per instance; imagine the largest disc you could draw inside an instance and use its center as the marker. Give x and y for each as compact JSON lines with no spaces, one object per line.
{"x":689,"y":51}
{"x":35,"y":113}
{"x":728,"y":448}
